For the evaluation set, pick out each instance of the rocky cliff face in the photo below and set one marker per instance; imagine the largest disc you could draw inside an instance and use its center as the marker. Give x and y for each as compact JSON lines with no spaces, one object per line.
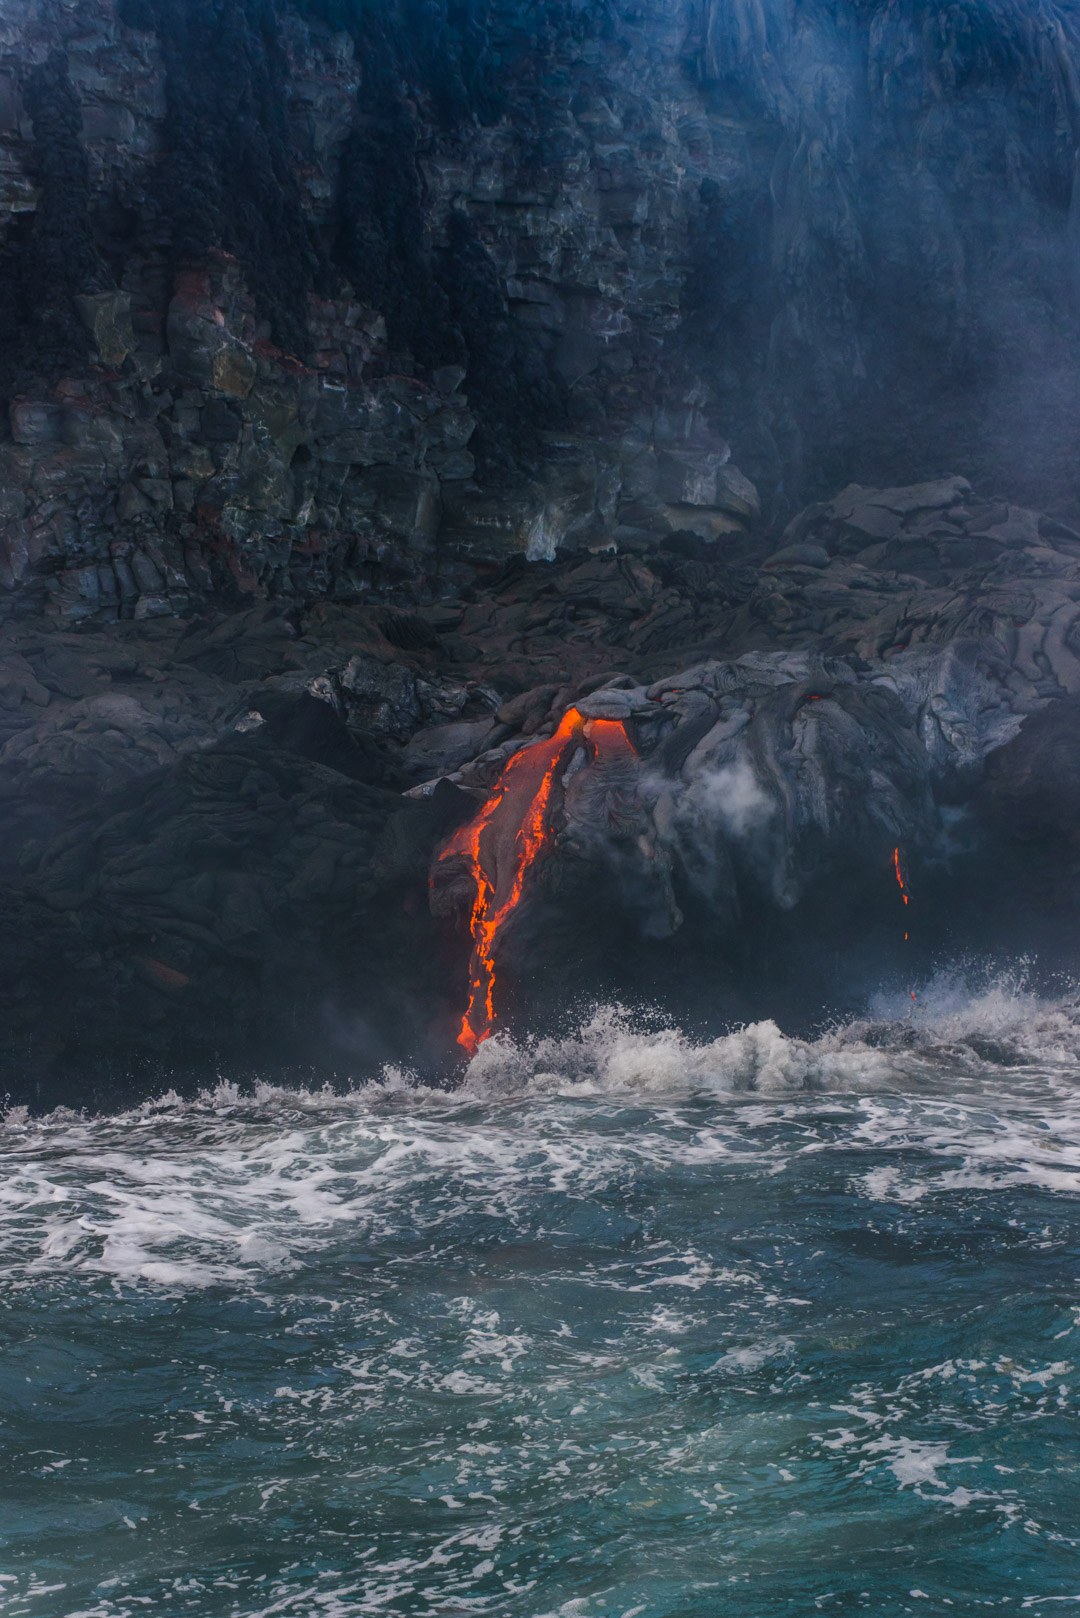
{"x":313,"y":298}
{"x":219,"y":837}
{"x":383,"y":382}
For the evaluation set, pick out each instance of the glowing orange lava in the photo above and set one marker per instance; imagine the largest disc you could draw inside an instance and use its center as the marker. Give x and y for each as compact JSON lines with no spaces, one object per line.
{"x":903,"y":890}
{"x":899,"y":877}
{"x":503,"y":842}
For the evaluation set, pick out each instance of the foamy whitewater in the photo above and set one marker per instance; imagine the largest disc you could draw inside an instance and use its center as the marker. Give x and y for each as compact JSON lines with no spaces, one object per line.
{"x":628,"y":1326}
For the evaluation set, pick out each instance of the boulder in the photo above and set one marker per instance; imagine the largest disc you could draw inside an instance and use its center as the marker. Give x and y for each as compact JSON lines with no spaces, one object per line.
{"x":107,"y":317}
{"x":205,"y":352}
{"x":34,"y":421}
{"x":798,"y":556}
{"x":441,"y":749}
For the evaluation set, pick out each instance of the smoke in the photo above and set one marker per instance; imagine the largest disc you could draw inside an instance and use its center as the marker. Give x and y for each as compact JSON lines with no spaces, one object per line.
{"x":894,"y":294}
{"x":732,"y":798}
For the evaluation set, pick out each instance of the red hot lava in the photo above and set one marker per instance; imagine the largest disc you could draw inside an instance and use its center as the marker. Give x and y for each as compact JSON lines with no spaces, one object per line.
{"x":899,"y":876}
{"x":903,"y":890}
{"x":903,"y":885}
{"x":503,"y":842}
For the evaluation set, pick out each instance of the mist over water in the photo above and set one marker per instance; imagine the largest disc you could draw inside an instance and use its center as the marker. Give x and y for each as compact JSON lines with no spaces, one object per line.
{"x":628,"y":1323}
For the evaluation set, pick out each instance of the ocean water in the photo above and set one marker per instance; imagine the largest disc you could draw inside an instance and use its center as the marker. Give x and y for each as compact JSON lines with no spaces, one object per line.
{"x":628,"y":1327}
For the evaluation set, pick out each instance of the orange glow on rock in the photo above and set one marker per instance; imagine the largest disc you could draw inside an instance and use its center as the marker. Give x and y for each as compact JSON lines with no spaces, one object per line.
{"x":504,"y":841}
{"x":167,"y":975}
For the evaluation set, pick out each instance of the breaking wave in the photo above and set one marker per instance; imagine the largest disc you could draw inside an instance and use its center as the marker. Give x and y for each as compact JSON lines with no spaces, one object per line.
{"x":961,"y":1023}
{"x":952,"y":1025}
{"x":500,"y":1349}
{"x":233,"y":1183}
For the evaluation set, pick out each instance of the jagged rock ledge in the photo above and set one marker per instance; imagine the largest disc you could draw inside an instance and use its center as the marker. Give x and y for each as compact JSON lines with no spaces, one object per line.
{"x":217,"y":831}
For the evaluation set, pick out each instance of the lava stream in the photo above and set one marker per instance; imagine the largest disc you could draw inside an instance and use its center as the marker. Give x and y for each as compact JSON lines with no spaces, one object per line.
{"x":903,"y":890}
{"x":899,"y":876}
{"x":503,"y":842}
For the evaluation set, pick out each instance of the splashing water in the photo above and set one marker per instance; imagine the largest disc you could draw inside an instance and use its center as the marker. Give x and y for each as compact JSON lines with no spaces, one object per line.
{"x":630,"y":1324}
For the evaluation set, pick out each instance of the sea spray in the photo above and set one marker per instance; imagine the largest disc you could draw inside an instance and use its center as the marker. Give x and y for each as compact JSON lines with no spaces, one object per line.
{"x":628,"y":1322}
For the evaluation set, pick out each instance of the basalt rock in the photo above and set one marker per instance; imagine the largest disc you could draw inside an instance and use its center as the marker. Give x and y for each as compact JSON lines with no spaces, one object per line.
{"x":1032,"y":785}
{"x":383,"y":384}
{"x":217,"y":832}
{"x":312,"y":300}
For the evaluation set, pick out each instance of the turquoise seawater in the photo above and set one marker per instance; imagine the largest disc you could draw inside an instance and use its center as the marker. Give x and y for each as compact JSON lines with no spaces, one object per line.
{"x":628,"y":1328}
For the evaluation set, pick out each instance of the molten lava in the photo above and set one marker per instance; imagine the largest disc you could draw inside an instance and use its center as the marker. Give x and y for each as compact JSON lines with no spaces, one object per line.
{"x":504,"y":841}
{"x":899,"y":874}
{"x":903,"y":890}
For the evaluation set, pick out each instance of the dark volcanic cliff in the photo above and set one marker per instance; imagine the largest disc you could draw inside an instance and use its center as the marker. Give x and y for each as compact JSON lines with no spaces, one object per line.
{"x":318,"y":296}
{"x":380,"y":379}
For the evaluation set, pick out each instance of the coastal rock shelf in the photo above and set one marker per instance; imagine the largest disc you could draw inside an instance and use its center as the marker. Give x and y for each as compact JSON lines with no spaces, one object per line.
{"x":220,"y":828}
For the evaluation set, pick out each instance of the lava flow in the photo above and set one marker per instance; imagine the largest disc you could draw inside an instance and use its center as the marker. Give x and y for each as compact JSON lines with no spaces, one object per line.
{"x":903,"y":885}
{"x":899,"y":876}
{"x":503,"y":842}
{"x":903,"y":890}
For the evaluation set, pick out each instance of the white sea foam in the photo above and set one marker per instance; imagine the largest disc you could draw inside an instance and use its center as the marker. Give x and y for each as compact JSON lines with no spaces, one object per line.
{"x":617,"y":1284}
{"x":957,"y":1024}
{"x":962,"y":1090}
{"x":980,"y":1010}
{"x":613,"y":1054}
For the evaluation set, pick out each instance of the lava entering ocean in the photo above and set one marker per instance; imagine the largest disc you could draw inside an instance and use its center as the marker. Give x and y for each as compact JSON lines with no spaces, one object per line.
{"x":504,"y":841}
